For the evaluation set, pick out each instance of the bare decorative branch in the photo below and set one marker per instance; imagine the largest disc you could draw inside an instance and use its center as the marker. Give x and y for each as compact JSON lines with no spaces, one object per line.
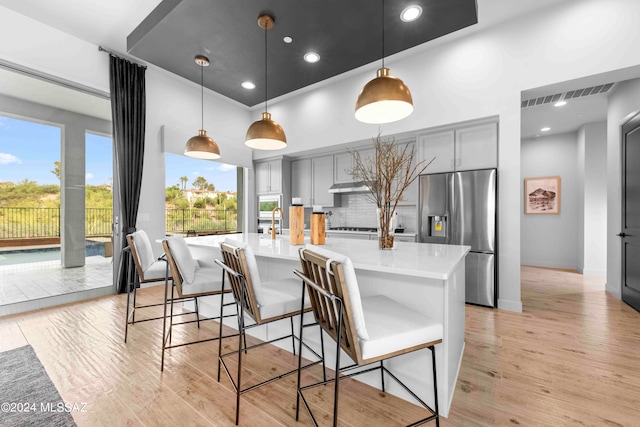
{"x":388,"y":175}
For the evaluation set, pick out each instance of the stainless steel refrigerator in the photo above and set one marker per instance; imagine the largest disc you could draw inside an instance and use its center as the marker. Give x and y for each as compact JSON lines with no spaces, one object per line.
{"x":459,"y":208}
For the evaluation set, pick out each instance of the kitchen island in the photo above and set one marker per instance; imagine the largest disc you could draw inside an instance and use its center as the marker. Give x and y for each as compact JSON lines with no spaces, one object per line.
{"x":426,"y":277}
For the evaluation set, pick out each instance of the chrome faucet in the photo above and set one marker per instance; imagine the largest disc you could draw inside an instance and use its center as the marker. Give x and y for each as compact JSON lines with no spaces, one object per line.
{"x":273,"y":221}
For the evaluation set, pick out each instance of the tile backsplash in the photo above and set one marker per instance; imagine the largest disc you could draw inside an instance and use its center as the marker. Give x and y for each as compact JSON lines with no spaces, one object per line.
{"x":358,"y":210}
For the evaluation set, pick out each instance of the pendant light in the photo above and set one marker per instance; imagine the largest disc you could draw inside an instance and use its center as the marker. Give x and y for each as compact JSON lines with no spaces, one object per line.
{"x":384,"y":99}
{"x":202,"y":146}
{"x":265,"y":134}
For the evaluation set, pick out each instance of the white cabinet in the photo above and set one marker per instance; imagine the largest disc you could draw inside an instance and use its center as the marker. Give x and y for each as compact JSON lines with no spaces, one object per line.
{"x":301,"y":180}
{"x":268,"y":177}
{"x":441,"y":146}
{"x":399,"y":237}
{"x":477,"y":147}
{"x":342,"y":235}
{"x":342,"y":165}
{"x":468,"y":148}
{"x":311,"y":180}
{"x":321,"y":181}
{"x":410,"y":196}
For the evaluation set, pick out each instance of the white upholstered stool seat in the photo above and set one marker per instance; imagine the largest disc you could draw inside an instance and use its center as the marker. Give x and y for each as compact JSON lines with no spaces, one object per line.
{"x":281,"y":297}
{"x":393,"y":326}
{"x":206,"y":280}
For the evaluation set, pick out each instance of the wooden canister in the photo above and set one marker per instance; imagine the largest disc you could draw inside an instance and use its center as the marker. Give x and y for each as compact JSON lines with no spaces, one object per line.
{"x":317,"y":229}
{"x":296,"y":225}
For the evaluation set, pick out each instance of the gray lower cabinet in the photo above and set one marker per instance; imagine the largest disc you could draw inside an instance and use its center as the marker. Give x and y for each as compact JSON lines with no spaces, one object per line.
{"x":399,"y":237}
{"x":359,"y":236}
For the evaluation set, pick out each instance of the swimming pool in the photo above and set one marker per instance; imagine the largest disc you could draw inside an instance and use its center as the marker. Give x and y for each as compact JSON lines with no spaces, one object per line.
{"x":24,"y":256}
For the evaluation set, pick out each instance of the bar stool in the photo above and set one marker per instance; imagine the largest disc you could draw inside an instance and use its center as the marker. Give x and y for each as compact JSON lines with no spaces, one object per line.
{"x":147,"y":270}
{"x":368,"y":330}
{"x":262,"y":302}
{"x":189,"y":280}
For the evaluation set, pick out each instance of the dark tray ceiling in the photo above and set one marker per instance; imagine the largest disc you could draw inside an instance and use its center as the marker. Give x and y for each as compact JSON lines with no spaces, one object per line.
{"x":346,"y":34}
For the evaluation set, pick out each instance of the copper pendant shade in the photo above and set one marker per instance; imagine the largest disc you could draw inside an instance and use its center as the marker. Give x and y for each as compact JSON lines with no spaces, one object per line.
{"x":384,"y":99}
{"x":265,"y":134}
{"x":202,"y":146}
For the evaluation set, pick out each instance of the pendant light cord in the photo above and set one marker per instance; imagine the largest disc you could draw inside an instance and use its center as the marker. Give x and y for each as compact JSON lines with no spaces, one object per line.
{"x":201,"y":96}
{"x":265,"y":70}
{"x":382,"y":33}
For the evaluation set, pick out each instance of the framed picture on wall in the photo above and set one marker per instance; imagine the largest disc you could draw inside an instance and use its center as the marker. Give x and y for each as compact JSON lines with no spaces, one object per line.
{"x":542,"y":195}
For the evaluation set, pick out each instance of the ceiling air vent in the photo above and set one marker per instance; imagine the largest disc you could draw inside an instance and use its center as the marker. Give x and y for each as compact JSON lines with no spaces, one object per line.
{"x":578,"y":93}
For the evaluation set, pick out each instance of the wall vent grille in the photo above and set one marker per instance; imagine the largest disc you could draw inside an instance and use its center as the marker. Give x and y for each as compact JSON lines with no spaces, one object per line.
{"x":578,"y":93}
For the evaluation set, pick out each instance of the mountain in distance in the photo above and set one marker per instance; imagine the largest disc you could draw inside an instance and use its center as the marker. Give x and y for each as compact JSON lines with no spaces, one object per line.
{"x":541,"y":193}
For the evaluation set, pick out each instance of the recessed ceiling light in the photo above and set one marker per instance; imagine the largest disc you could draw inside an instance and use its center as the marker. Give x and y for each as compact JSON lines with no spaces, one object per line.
{"x":311,"y":57}
{"x":248,"y":85}
{"x":287,"y":39}
{"x":560,"y":103}
{"x":411,"y":13}
{"x":545,"y":129}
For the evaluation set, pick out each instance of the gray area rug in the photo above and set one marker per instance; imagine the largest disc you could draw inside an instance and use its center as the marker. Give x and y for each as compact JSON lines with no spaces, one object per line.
{"x":27,"y":395}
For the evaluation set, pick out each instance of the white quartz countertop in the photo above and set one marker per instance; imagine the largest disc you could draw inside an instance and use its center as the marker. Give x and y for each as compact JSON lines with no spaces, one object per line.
{"x":407,"y":258}
{"x":368,"y":233}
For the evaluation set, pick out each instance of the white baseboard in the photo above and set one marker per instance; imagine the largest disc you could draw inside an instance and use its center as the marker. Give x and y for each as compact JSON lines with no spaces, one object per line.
{"x":589,"y":272}
{"x":551,"y":264}
{"x":515,"y":306}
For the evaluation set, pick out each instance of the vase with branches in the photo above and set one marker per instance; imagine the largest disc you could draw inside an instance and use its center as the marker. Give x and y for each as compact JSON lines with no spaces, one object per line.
{"x":388,"y":174}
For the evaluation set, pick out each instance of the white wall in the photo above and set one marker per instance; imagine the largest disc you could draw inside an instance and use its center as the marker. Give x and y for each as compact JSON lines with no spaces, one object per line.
{"x":552,"y":240}
{"x":480,"y":76}
{"x":624,"y":103}
{"x":594,"y":218}
{"x":581,"y":153}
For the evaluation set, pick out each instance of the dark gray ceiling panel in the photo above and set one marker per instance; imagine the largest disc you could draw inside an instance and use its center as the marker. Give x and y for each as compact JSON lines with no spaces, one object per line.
{"x":346,"y":33}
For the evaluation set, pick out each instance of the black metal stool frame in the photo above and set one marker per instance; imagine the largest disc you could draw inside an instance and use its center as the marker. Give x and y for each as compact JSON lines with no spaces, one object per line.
{"x":242,"y":339}
{"x":166,"y":334}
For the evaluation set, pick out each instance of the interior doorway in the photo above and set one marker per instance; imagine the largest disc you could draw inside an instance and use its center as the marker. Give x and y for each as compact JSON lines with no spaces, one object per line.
{"x":564,"y":136}
{"x":631,"y":212}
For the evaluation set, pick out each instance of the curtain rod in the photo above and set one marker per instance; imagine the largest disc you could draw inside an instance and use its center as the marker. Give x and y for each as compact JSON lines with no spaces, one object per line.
{"x":117,"y":55}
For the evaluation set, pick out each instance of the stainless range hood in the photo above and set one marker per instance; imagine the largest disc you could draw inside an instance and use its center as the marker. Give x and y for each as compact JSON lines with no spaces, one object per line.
{"x":349,"y":187}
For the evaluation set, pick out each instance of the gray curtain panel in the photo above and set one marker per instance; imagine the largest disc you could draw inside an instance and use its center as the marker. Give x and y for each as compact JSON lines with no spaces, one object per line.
{"x":128,"y":109}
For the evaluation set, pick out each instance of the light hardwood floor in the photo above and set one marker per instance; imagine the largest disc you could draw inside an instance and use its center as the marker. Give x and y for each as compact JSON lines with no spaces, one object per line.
{"x":571,"y":358}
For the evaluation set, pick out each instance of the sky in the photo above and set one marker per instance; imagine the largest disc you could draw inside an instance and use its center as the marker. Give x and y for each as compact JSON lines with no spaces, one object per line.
{"x":28,"y":150}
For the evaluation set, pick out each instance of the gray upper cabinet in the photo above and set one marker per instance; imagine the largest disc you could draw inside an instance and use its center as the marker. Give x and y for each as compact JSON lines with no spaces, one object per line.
{"x":311,"y":180}
{"x":441,"y":146}
{"x":467,"y":148}
{"x":410,"y":196}
{"x":269,"y":177}
{"x":477,"y":147}
{"x":342,"y":164}
{"x":322,"y":180}
{"x":301,"y":180}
